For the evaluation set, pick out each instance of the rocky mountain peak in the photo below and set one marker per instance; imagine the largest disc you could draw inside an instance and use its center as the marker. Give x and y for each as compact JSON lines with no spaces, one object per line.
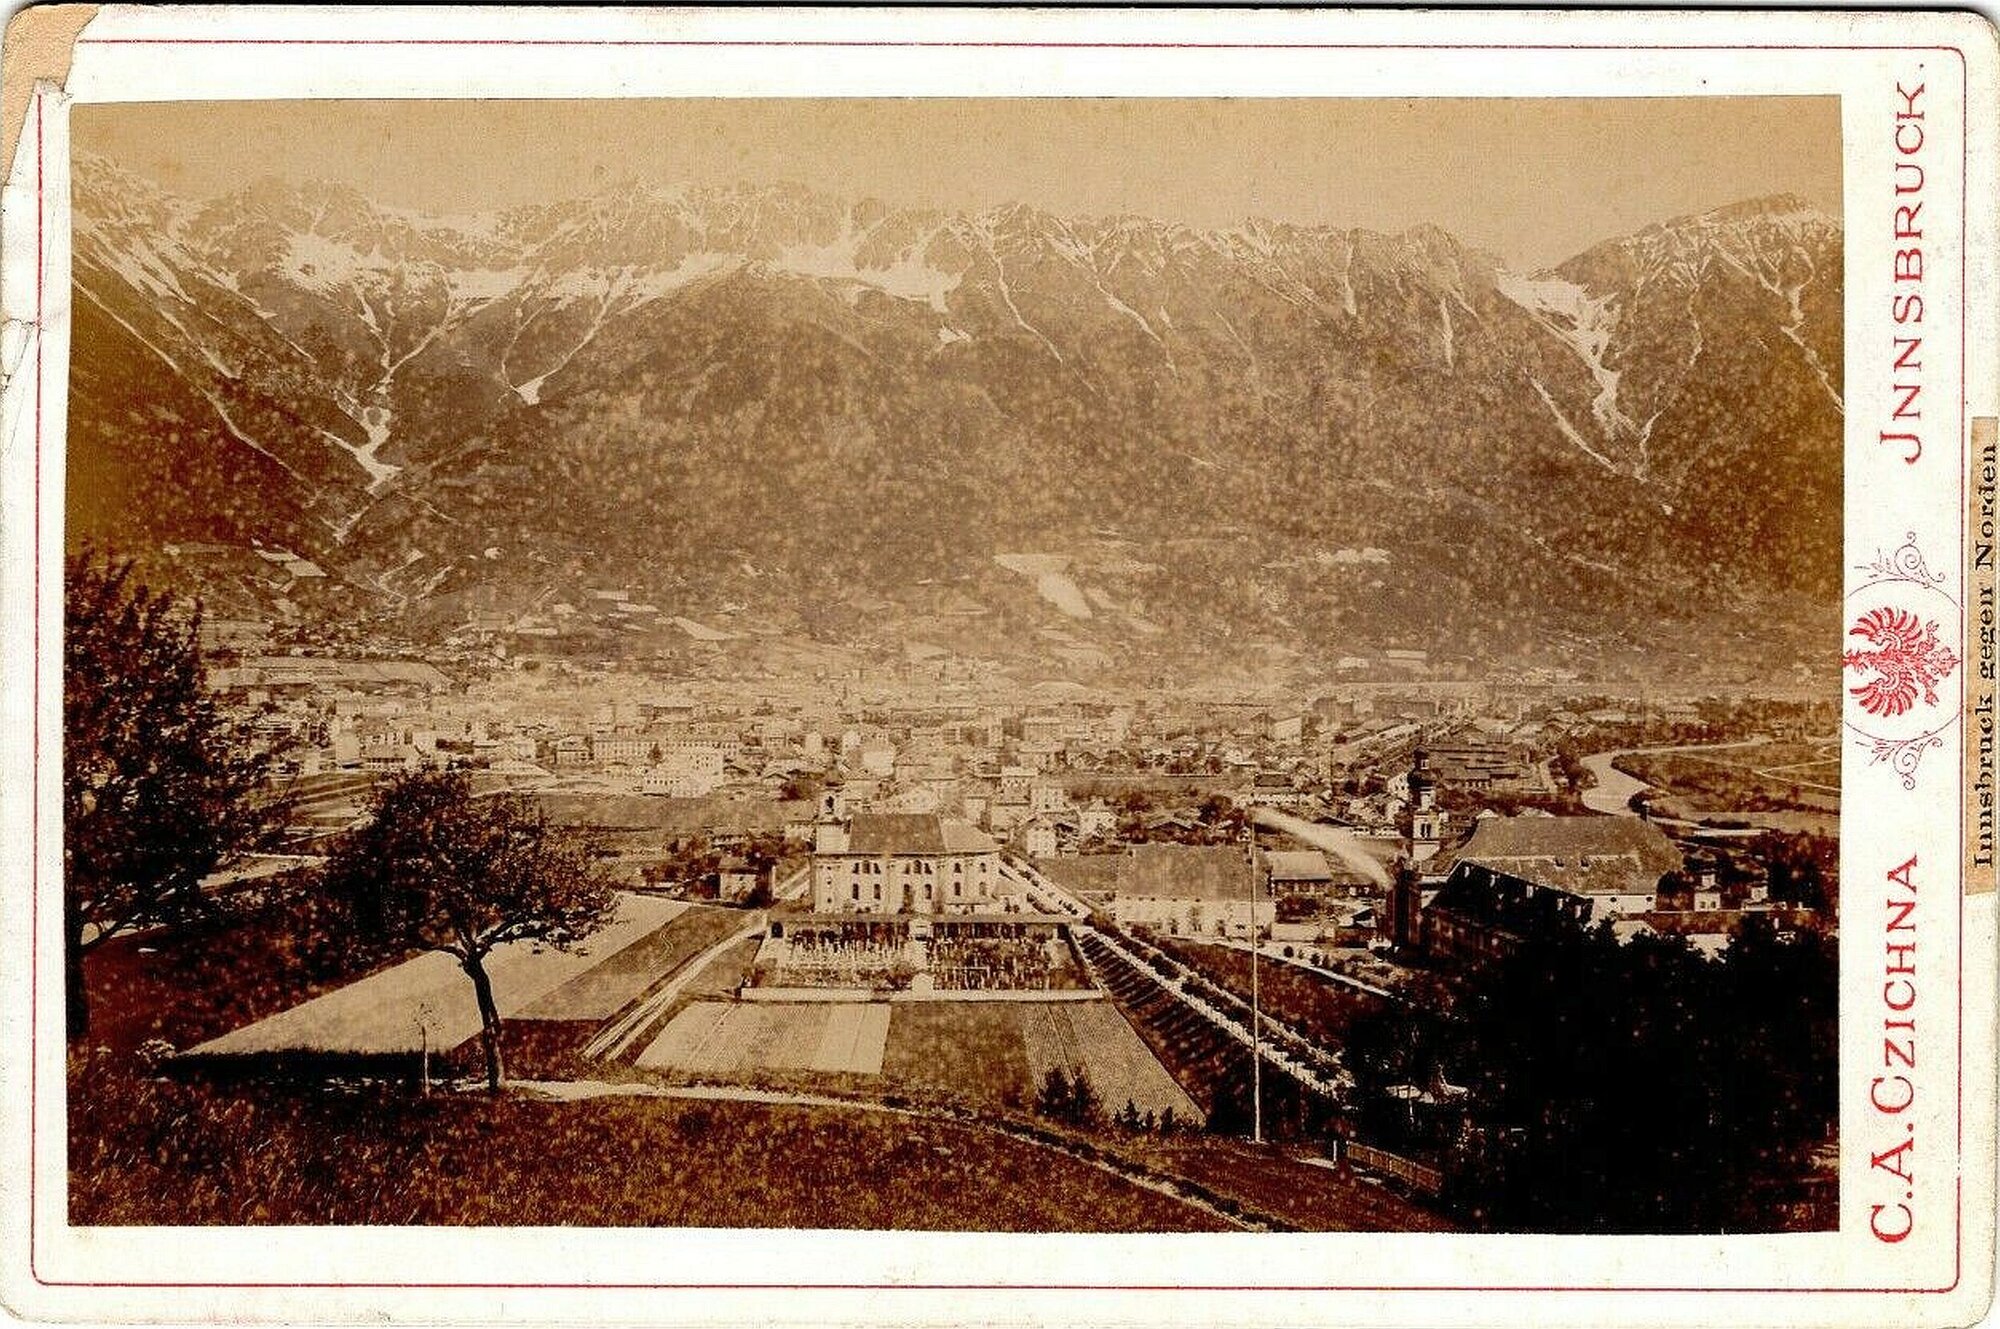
{"x":665,"y":386}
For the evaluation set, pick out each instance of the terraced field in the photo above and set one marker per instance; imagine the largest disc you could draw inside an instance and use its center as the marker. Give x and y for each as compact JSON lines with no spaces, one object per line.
{"x":1094,"y":1035}
{"x":712,"y":1038}
{"x":428,"y":1000}
{"x":327,"y":802}
{"x":990,"y":1054}
{"x":1211,"y":1067}
{"x":604,"y":990}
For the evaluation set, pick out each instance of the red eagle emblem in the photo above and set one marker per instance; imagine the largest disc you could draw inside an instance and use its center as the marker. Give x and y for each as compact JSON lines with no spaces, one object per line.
{"x":1906,"y":659}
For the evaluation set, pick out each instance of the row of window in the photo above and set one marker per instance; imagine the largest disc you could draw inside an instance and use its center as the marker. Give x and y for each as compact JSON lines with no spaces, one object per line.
{"x":854,"y":891}
{"x":873,"y":867}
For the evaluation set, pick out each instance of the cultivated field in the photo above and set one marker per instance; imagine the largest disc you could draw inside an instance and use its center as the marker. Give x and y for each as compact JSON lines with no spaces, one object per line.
{"x":718,"y":1037}
{"x":1093,"y":1035}
{"x":428,"y":999}
{"x":969,"y":1050}
{"x":150,"y":1151}
{"x":603,"y":990}
{"x":984,"y":1053}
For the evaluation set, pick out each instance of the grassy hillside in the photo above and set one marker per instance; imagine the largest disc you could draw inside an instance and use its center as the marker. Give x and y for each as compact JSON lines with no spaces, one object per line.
{"x":151,"y":1151}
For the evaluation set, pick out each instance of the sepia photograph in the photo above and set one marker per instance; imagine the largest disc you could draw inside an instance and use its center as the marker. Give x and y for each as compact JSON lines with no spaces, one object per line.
{"x":1045,"y":665}
{"x":952,"y":666}
{"x":1039,"y":665}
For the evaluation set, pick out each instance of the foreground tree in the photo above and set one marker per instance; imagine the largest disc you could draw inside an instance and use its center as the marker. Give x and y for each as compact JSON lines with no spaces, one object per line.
{"x":1642,"y":1087}
{"x":437,"y":868}
{"x":158,"y":787}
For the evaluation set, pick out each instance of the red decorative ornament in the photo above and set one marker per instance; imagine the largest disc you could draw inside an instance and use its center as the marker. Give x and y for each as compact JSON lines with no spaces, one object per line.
{"x":1906,"y":658}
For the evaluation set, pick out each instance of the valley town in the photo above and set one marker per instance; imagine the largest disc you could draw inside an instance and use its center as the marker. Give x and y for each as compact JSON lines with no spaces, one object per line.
{"x":1268,"y":958}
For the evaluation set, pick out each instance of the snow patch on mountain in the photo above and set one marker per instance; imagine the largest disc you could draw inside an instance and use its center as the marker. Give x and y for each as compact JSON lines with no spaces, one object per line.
{"x":1794,"y":296}
{"x":215,"y":403}
{"x":484,"y":284}
{"x":1347,"y":281}
{"x":1007,"y":297}
{"x":691,"y":268}
{"x":1583,"y":323}
{"x":138,"y":263}
{"x":437,"y":340}
{"x":324,"y":265}
{"x":1569,"y":431}
{"x":1129,"y":312}
{"x":910,"y":277}
{"x":1766,"y":274}
{"x":375,"y":421}
{"x":379,"y":472}
{"x":1060,"y":591}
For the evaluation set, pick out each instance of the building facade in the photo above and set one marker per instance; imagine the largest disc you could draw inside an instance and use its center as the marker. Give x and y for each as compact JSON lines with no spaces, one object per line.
{"x":894,"y":863}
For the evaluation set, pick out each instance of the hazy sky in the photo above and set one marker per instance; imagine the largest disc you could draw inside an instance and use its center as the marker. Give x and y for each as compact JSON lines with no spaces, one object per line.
{"x":1534,"y":181}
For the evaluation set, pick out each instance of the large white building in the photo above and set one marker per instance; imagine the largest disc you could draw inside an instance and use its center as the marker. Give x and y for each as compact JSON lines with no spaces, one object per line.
{"x":623,"y":749}
{"x":684,"y":771}
{"x":1191,"y":891}
{"x":895,"y":863}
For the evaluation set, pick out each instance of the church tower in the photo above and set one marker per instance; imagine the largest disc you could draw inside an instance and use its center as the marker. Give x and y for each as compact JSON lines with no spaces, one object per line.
{"x":1423,"y":819}
{"x":830,"y":827}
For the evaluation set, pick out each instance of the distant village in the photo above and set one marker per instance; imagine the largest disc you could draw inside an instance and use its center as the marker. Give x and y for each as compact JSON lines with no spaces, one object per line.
{"x":1138,"y":807}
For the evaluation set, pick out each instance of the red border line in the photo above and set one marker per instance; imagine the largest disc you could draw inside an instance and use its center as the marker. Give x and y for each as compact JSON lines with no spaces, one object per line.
{"x":832,"y":44}
{"x":34,"y":835}
{"x":1620,"y":1290}
{"x":35,"y":724}
{"x":1964,"y":479}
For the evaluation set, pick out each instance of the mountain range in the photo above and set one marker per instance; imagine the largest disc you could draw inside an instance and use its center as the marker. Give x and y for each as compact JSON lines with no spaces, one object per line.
{"x":1107,"y":444}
